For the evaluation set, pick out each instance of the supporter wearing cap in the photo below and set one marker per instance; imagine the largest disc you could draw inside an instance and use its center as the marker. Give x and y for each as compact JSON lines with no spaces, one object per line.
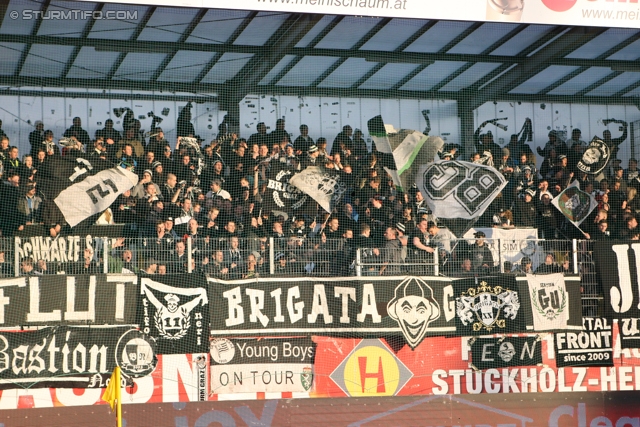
{"x":505,"y":164}
{"x":480,"y":254}
{"x":525,"y":209}
{"x":310,"y":159}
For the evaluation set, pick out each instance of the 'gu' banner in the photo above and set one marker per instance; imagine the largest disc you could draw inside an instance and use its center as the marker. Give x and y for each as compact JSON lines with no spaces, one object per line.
{"x":619,"y":274}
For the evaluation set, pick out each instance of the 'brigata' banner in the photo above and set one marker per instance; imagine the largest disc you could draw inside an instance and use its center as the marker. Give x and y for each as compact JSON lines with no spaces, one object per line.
{"x":413,"y":307}
{"x":59,"y":299}
{"x":65,"y":357}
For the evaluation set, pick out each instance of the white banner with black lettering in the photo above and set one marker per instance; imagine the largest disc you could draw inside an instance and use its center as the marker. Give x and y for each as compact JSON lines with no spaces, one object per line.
{"x":549,"y":301}
{"x":265,"y":365}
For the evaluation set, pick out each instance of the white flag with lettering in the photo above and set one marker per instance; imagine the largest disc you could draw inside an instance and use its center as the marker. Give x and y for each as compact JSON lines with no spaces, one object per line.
{"x":549,"y":301}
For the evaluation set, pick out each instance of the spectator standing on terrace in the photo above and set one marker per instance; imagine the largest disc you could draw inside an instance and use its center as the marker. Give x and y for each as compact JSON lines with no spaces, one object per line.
{"x":549,"y":265}
{"x":525,"y":209}
{"x":480,"y":254}
{"x":304,"y":141}
{"x":78,"y":133}
{"x":108,"y":132}
{"x":277,"y":135}
{"x":343,"y":140}
{"x":36,"y":137}
{"x":441,"y":237}
{"x":391,"y":253}
{"x":525,"y":266}
{"x":614,"y":143}
{"x":547,"y":219}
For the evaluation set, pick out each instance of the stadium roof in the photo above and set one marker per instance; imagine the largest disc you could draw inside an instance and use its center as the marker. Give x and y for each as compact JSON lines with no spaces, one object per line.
{"x":229,"y":53}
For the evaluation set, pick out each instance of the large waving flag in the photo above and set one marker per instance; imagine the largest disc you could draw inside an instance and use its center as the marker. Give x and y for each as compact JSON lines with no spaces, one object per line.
{"x":403,"y":151}
{"x":455,"y":189}
{"x":575,"y":204}
{"x":322,"y":185}
{"x":81,"y":186}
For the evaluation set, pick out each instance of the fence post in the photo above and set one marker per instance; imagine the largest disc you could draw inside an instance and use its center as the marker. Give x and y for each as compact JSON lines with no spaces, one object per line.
{"x":358,"y":265}
{"x":189,"y":255}
{"x":16,"y":258}
{"x":272,"y":266}
{"x":436,"y":262}
{"x":105,"y":255}
{"x":500,"y":256}
{"x":575,"y":256}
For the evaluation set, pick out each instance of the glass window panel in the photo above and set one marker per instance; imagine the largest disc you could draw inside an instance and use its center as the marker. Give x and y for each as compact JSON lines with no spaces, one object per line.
{"x":10,"y":54}
{"x":282,"y":64}
{"x":438,"y":36}
{"x":90,"y":64}
{"x":348,"y":73}
{"x":543,"y":79}
{"x":119,"y":29}
{"x":139,"y":66}
{"x":227,"y":67}
{"x":480,"y":40}
{"x":522,"y":40}
{"x":388,"y":76}
{"x":394,"y":34}
{"x":628,"y":53}
{"x":261,"y":28}
{"x":470,"y":76}
{"x":317,"y":29}
{"x":167,"y":24}
{"x":185,"y":66}
{"x":217,"y":26}
{"x":307,"y":70}
{"x":348,"y":32}
{"x":604,"y":42}
{"x":46,"y":60}
{"x":20,"y":26}
{"x":68,"y":22}
{"x":616,"y":84}
{"x":581,"y":81}
{"x":432,"y":75}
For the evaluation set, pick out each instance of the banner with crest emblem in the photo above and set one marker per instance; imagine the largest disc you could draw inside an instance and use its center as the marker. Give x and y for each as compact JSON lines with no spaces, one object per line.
{"x":175,"y":312}
{"x":489,"y":305}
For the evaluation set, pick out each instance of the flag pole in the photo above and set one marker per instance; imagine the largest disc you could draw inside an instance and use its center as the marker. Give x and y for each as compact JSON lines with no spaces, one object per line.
{"x":118,"y":398}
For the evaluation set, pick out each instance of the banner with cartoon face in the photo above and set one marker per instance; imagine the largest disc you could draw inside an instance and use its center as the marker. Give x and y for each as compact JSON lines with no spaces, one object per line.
{"x":595,"y":157}
{"x":175,"y":313}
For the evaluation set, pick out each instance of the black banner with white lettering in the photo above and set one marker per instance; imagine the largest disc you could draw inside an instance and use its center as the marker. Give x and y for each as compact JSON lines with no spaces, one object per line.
{"x":505,"y":352}
{"x":174,"y":310}
{"x":262,"y":365}
{"x":334,"y":307}
{"x":591,"y":347}
{"x":619,"y":275}
{"x":58,"y":299}
{"x":59,"y":357}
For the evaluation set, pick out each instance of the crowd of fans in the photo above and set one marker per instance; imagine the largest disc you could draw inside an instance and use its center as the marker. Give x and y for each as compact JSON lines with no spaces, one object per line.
{"x":216,"y":194}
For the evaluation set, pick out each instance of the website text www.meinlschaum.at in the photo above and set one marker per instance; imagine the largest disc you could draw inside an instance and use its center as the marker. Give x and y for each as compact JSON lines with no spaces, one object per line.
{"x":617,"y":15}
{"x":360,"y":4}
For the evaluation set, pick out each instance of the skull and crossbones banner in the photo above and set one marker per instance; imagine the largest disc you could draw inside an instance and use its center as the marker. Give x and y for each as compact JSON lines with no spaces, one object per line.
{"x":175,"y":313}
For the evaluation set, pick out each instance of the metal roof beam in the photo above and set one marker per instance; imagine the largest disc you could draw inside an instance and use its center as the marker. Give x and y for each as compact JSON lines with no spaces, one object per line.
{"x":532,"y":65}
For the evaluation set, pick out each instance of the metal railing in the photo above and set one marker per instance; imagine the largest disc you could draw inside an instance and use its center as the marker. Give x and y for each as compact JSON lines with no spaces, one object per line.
{"x":233,"y":258}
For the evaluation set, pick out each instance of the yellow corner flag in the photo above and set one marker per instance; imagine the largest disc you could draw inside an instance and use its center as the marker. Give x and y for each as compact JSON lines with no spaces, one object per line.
{"x":112,"y":395}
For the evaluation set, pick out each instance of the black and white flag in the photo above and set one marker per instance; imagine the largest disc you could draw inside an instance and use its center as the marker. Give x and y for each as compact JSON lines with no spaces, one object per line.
{"x":83,"y":186}
{"x":575,"y":204}
{"x":322,"y":185}
{"x":489,"y":305}
{"x":591,"y":347}
{"x":401,"y":152}
{"x":595,"y":157}
{"x":505,"y":352}
{"x":175,"y":313}
{"x":549,"y":301}
{"x":454,"y":189}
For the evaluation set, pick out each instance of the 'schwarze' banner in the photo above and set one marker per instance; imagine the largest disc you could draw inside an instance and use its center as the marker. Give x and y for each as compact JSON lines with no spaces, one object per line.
{"x":619,"y":274}
{"x":58,"y":299}
{"x":175,"y":313}
{"x":488,"y":353}
{"x":575,"y":204}
{"x":402,"y":152}
{"x":591,"y":347}
{"x":455,"y":189}
{"x":65,"y":357}
{"x":266,"y":365}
